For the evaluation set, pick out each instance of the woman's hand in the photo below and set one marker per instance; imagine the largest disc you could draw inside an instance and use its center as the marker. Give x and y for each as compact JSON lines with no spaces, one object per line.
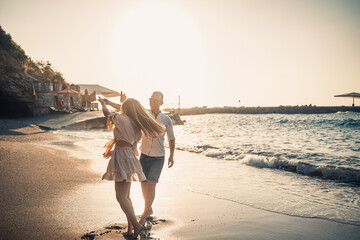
{"x":108,"y":154}
{"x":104,"y":100}
{"x":104,"y":107}
{"x":101,"y":100}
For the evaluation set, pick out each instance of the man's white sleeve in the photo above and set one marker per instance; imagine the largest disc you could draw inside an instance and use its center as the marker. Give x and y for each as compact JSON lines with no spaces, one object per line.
{"x":170,"y":130}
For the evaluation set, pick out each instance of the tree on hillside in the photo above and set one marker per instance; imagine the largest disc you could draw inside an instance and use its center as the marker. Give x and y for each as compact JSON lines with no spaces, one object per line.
{"x":16,"y":61}
{"x":8,"y":44}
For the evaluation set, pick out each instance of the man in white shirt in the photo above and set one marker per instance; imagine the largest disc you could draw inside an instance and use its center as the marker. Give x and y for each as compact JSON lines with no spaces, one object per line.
{"x":153,"y":154}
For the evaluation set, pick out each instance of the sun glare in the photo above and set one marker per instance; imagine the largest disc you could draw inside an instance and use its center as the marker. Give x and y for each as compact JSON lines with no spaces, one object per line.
{"x":156,"y":47}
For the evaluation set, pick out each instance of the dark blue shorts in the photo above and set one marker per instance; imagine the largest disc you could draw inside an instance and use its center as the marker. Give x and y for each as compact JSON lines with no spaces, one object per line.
{"x":152,"y":167}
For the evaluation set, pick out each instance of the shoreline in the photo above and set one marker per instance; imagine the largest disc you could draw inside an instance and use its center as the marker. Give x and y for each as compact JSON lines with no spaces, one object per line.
{"x":216,"y":217}
{"x":264,"y":110}
{"x":68,"y":199}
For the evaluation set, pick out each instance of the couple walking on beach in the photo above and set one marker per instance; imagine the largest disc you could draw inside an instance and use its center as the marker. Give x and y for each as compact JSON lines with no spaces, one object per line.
{"x":132,"y":124}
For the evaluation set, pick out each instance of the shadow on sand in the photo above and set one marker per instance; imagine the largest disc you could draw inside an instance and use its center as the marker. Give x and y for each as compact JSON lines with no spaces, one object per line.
{"x":10,"y":127}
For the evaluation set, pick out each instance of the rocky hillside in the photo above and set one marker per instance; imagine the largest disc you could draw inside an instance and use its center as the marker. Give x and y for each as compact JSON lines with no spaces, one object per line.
{"x":17,"y":73}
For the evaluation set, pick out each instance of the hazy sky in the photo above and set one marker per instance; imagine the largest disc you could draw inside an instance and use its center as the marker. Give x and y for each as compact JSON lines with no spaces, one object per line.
{"x":214,"y":53}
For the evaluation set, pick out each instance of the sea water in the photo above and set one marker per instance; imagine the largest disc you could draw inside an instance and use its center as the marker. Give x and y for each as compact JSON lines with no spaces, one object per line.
{"x":325,"y":145}
{"x":300,"y":165}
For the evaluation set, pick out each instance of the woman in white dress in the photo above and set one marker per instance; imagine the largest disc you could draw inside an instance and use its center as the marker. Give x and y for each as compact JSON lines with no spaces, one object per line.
{"x":124,"y":167}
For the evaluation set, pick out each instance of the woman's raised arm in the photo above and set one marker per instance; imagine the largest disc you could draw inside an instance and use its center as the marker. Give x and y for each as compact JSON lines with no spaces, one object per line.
{"x":105,"y":110}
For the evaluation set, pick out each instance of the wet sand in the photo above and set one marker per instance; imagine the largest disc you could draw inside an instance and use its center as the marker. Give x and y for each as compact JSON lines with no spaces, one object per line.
{"x":51,"y":188}
{"x":33,"y":180}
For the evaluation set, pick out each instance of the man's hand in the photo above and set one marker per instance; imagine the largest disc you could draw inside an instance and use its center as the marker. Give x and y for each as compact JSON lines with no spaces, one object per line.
{"x":171,"y":161}
{"x":122,"y":97}
{"x":172,"y":150}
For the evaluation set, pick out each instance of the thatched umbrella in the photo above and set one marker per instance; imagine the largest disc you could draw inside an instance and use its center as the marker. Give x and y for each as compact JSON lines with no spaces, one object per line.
{"x":100,"y":90}
{"x":353,"y":95}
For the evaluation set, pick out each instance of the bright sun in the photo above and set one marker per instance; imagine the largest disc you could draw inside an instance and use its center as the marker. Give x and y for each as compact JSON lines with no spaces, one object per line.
{"x":157,"y":47}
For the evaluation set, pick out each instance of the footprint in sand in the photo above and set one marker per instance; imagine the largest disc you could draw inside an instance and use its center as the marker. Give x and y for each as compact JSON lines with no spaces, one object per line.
{"x":117,"y":231}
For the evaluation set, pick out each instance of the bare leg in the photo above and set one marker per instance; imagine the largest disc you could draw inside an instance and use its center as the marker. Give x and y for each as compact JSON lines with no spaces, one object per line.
{"x":148,"y":189}
{"x":130,"y":226}
{"x":122,"y":190}
{"x":144,"y":193}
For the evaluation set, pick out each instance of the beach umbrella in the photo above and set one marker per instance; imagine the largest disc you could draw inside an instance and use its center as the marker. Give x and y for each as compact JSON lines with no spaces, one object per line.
{"x":352,"y":95}
{"x":100,"y":90}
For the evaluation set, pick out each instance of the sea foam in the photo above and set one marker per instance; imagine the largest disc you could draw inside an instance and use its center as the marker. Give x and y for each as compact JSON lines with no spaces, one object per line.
{"x":343,"y":174}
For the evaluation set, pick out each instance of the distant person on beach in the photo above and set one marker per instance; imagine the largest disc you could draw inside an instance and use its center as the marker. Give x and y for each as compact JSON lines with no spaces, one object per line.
{"x":131,"y":123}
{"x":153,"y":151}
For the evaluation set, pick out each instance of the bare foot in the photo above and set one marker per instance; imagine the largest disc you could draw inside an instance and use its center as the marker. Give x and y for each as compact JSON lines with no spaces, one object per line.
{"x":142,"y":220}
{"x":150,"y":212}
{"x":137,"y":230}
{"x":144,"y":217}
{"x":129,"y":230}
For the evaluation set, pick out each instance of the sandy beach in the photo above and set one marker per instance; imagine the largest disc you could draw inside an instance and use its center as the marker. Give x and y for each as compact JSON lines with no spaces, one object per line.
{"x":33,"y":181}
{"x":51,"y":188}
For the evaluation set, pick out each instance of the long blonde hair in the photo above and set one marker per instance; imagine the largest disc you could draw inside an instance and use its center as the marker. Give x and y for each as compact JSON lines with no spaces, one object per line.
{"x":141,"y":118}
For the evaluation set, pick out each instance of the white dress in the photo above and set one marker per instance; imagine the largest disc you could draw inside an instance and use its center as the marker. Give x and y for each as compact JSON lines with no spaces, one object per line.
{"x":123,"y":164}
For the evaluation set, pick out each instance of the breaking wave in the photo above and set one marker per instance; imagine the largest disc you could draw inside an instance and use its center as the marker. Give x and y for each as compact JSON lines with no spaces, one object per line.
{"x":342,"y":174}
{"x":328,"y":172}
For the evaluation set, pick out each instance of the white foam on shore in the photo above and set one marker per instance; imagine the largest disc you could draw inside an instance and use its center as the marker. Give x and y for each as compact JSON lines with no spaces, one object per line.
{"x":344,"y":174}
{"x":330,"y":172}
{"x":263,"y":162}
